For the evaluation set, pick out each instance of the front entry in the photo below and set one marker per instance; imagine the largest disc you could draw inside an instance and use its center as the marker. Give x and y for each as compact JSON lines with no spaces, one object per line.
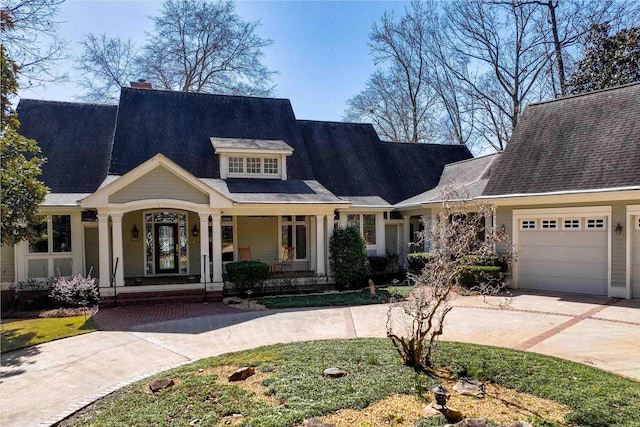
{"x":167,"y":248}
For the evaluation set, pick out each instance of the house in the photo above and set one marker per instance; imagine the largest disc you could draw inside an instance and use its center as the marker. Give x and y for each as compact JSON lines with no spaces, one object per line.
{"x":567,"y":190}
{"x":158,"y":193}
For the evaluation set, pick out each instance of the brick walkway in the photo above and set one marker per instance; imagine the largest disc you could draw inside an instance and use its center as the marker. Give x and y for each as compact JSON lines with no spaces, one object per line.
{"x":125,"y":318}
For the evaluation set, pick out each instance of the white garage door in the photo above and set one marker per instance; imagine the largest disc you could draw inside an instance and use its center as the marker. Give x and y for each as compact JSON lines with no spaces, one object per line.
{"x":635,"y":258}
{"x":566,"y":254}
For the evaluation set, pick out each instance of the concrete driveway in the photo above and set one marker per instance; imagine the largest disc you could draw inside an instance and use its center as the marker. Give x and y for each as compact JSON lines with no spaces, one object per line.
{"x":43,"y":384}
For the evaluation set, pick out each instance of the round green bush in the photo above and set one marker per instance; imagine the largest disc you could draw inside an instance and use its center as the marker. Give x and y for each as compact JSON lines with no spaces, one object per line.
{"x":348,"y":257}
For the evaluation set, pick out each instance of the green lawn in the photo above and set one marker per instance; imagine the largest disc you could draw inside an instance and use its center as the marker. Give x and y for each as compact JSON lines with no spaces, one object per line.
{"x":597,"y":398}
{"x":363,"y":297}
{"x":24,"y":333}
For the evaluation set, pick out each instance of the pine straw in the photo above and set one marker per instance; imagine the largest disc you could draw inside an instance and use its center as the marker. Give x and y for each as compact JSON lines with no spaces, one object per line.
{"x":501,"y":404}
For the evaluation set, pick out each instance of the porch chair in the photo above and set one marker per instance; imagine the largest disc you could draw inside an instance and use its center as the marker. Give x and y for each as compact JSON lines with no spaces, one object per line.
{"x":285,"y":264}
{"x":245,"y":254}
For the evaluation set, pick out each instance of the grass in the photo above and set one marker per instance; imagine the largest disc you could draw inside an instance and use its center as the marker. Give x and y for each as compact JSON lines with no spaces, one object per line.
{"x":362,"y":297}
{"x":24,"y":333}
{"x":295,"y":382}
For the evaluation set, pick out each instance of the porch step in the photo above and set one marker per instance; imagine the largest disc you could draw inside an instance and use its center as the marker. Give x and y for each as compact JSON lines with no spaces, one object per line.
{"x":162,"y":297}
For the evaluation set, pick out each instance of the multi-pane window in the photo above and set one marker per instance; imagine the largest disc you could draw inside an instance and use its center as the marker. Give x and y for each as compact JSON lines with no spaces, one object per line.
{"x":638,"y":223}
{"x":242,"y":165}
{"x":271,"y":166}
{"x":595,"y":223}
{"x":528,"y":224}
{"x":227,"y":238}
{"x":366,"y":223}
{"x":254,"y":165}
{"x":369,"y":228}
{"x":294,"y":234}
{"x":58,"y":227}
{"x":549,"y":224}
{"x":236,"y":165}
{"x":572,"y":223}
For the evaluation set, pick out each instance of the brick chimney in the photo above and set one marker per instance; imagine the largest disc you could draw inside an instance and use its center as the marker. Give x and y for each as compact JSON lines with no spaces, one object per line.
{"x":141,"y":84}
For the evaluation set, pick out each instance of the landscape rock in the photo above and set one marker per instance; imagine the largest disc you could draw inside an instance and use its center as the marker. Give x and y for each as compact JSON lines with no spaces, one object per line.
{"x":521,"y":424}
{"x":334,"y":373}
{"x":430,"y":410}
{"x":241,"y":374}
{"x":452,"y":415}
{"x":316,"y":422}
{"x":232,"y":300}
{"x":470,"y":387}
{"x":157,"y":385}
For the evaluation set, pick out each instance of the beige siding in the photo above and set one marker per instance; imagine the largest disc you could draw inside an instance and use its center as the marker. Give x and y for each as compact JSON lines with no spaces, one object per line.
{"x":7,"y":264}
{"x":159,"y":184}
{"x":504,"y":217}
{"x":92,"y":251}
{"x":133,"y":250}
{"x":261,"y":235}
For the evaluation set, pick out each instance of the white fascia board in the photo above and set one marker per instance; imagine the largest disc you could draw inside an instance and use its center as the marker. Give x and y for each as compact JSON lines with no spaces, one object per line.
{"x":261,"y":151}
{"x":624,"y":192}
{"x":580,"y":210}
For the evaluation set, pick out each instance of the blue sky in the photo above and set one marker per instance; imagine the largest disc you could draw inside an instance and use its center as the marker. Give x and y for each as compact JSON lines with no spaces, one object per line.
{"x":319,"y":47}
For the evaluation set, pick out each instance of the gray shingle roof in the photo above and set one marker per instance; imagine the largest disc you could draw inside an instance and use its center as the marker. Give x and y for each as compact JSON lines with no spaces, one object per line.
{"x":75,"y":138}
{"x":351,"y":161}
{"x":180,"y":125}
{"x":583,"y":142}
{"x":469,"y":177}
{"x":252,"y":144}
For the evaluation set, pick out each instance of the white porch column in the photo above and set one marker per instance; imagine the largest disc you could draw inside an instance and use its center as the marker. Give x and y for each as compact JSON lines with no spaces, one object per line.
{"x":329,"y":234}
{"x":320,"y":251}
{"x":103,"y":249}
{"x":381,"y":236}
{"x":204,"y":248}
{"x":118,"y":252}
{"x":406,"y":238}
{"x":216,"y":242}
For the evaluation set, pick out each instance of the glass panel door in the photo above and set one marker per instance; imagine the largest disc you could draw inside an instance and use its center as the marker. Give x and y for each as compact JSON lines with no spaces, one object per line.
{"x":166,"y":248}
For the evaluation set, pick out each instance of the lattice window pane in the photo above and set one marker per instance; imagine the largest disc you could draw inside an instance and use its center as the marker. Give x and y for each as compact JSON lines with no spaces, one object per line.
{"x":549,"y":224}
{"x":236,"y":165}
{"x":271,"y":166}
{"x":253,"y":165}
{"x":595,"y":223}
{"x":528,"y":224}
{"x":571,"y":224}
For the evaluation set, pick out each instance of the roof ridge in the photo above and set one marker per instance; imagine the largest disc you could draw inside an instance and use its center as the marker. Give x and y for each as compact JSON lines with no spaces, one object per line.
{"x":204,"y":94}
{"x":472,"y":159}
{"x":578,"y":95}
{"x":53,"y":101}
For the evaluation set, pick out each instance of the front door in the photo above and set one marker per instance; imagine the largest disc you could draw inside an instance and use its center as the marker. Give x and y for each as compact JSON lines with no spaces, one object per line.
{"x":167,"y":248}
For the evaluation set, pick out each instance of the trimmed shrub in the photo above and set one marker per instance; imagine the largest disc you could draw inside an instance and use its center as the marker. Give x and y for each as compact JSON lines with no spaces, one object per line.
{"x":418,"y":260}
{"x":245,"y":275}
{"x":488,"y":260}
{"x":75,"y":291}
{"x":378,"y":264}
{"x":474,"y":275}
{"x":348,"y":257}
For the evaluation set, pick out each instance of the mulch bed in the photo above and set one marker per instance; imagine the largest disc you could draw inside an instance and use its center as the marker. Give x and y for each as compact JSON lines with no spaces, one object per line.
{"x":49,"y":313}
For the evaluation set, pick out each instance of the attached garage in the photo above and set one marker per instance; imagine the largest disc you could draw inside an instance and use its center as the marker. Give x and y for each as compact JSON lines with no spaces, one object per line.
{"x":565,"y":250}
{"x":635,"y":256}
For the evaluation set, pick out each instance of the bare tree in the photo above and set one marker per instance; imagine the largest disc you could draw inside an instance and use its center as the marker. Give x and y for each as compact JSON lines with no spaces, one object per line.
{"x":195,"y":47}
{"x":205,"y":47}
{"x":33,"y":42}
{"x":107,"y":64}
{"x":502,"y":39}
{"x":400,"y":100}
{"x":459,"y":239}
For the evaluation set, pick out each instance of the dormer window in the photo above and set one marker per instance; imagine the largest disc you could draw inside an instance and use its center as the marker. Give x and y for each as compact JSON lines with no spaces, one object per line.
{"x":250,"y":158}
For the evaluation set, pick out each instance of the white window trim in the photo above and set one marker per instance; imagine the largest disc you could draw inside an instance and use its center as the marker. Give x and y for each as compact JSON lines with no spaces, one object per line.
{"x":552,"y":224}
{"x":595,"y":227}
{"x":234,"y":226}
{"x":281,"y":174}
{"x":529,"y":222}
{"x":571,"y":228}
